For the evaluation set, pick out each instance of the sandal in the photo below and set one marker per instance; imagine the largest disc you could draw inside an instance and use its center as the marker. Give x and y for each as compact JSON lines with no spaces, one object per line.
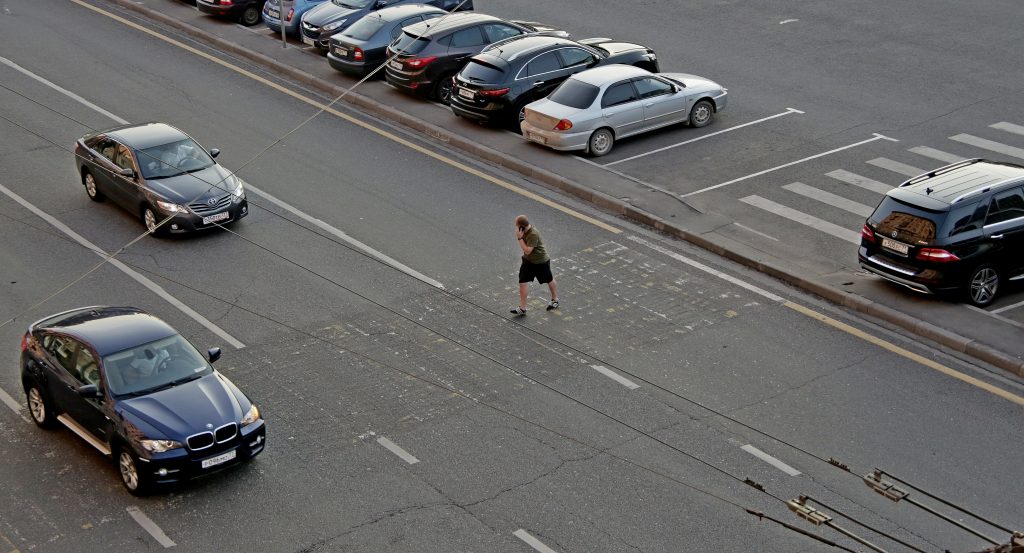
{"x":517,"y":311}
{"x":553,"y":304}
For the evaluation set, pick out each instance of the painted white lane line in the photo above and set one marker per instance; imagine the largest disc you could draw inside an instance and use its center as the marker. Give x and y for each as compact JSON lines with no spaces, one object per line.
{"x":63,"y":91}
{"x":997,"y":316}
{"x":625,"y":176}
{"x":936,"y":154}
{"x":1008,"y":127}
{"x":154,"y":287}
{"x":896,"y":167}
{"x":715,"y":272}
{"x":151,"y":527}
{"x":615,"y":376}
{"x":757,"y":232}
{"x":857,"y":180}
{"x":829,"y":198}
{"x":991,"y":145}
{"x":340,"y":234}
{"x":1008,"y":307}
{"x":394,"y":448}
{"x":13,"y":404}
{"x":770,"y":460}
{"x":803,"y":218}
{"x":532,"y":541}
{"x":790,"y":164}
{"x":709,"y":135}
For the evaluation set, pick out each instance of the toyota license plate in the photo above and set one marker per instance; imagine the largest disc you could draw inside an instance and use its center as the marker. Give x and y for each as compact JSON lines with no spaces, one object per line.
{"x":395,"y":65}
{"x":466,"y":93}
{"x":898,"y":247}
{"x":215,"y":218}
{"x":219,"y":460}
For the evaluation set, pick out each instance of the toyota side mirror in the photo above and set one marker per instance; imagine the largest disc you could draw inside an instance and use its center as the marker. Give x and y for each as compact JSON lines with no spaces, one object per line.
{"x":214,"y":152}
{"x":89,"y":391}
{"x":213,"y":354}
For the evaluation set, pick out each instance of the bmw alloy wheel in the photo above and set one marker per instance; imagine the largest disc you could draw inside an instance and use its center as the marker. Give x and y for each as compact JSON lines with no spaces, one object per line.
{"x":37,"y":405}
{"x":129,"y":472}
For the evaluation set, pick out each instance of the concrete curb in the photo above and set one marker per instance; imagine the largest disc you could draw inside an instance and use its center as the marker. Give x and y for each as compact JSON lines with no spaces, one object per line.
{"x":857,"y":303}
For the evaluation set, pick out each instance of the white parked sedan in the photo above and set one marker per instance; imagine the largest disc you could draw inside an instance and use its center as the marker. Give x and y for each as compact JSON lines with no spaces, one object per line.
{"x":594,"y":108}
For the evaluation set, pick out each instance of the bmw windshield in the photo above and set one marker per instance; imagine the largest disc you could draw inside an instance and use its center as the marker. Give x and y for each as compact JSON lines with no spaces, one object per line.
{"x":155,"y":366}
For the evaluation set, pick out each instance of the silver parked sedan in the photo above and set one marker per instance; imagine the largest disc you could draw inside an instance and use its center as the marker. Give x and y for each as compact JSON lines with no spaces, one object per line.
{"x":594,"y":108}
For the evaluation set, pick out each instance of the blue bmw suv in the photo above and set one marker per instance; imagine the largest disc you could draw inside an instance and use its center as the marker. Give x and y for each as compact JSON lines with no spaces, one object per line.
{"x":132,"y":387}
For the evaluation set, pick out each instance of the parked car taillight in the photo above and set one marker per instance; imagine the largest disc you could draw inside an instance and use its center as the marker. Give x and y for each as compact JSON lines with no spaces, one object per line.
{"x":938,"y":255}
{"x":291,"y":14}
{"x":563,"y":125}
{"x":867,"y":233}
{"x":357,"y":54}
{"x":24,"y":342}
{"x":417,"y":63}
{"x":494,"y":93}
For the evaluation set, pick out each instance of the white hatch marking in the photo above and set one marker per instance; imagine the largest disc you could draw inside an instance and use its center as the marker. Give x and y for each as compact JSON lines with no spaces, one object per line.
{"x":829,"y":198}
{"x":615,"y":376}
{"x":803,"y":218}
{"x":148,"y":525}
{"x":394,"y":448}
{"x":770,"y":460}
{"x":857,"y":180}
{"x":936,"y":154}
{"x":1008,"y":127}
{"x":991,"y":145}
{"x":532,"y":541}
{"x":896,"y":167}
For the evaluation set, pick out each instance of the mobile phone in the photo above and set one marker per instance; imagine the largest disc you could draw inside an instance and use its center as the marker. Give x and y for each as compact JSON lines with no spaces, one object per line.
{"x":522,"y":229}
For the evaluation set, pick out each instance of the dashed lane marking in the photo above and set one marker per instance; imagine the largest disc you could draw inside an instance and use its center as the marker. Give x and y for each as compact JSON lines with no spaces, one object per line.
{"x":533,"y":542}
{"x":770,"y":460}
{"x":13,"y":404}
{"x":63,"y":91}
{"x":394,"y":448}
{"x":615,"y":376}
{"x":149,"y":526}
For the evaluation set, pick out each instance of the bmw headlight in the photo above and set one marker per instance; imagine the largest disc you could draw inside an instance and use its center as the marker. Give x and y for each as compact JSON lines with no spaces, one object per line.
{"x":252,"y":416}
{"x":170,"y":208}
{"x":334,"y":25}
{"x":238,"y":194}
{"x":159,"y":446}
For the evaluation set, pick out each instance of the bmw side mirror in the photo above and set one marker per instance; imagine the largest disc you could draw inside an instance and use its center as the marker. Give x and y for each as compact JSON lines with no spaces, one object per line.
{"x":214,"y":152}
{"x":89,"y":391}
{"x":213,"y":354}
{"x":127,"y":173}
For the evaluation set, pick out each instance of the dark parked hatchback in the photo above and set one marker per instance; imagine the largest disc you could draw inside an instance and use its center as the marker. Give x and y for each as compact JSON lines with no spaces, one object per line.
{"x":496,"y":84}
{"x":330,"y":18}
{"x":247,"y":12}
{"x":429,"y":54}
{"x":132,"y":387}
{"x":957,"y":228}
{"x":156,"y":172}
{"x":362,"y":47}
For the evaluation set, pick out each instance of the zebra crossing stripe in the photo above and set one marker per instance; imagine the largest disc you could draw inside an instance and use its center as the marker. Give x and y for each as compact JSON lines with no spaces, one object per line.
{"x":803,"y":218}
{"x":936,"y":154}
{"x":829,"y":198}
{"x":857,"y":180}
{"x":1008,"y":127}
{"x":896,"y":167}
{"x":991,"y":145}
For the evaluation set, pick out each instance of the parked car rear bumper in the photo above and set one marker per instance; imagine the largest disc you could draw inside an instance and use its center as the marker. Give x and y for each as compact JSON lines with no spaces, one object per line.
{"x":553,"y":139}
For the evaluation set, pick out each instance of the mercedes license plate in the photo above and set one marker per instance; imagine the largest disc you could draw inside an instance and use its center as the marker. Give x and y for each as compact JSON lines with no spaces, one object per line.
{"x":215,"y":218}
{"x":218,"y":460}
{"x":395,"y":65}
{"x":898,"y":247}
{"x":466,"y":93}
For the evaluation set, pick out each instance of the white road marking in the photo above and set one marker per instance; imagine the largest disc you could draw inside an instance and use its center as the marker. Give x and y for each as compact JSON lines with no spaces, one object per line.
{"x":790,"y":164}
{"x":1008,"y":307}
{"x":896,"y":167}
{"x":532,"y":541}
{"x":148,"y":525}
{"x":627,"y":177}
{"x":857,"y":180}
{"x":829,"y":198}
{"x":709,"y":135}
{"x":784,"y":21}
{"x":936,"y":154}
{"x":706,"y":269}
{"x":394,"y":448}
{"x":1008,"y":127}
{"x":991,"y":145}
{"x":356,"y":243}
{"x":803,"y":218}
{"x":997,"y":316}
{"x":13,"y":404}
{"x":770,"y":460}
{"x":615,"y":376}
{"x":154,"y":287}
{"x":757,"y":232}
{"x":63,"y":91}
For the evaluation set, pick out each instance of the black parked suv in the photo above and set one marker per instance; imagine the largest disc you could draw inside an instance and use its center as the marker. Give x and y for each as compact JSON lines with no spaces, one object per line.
{"x":496,"y":84}
{"x":433,"y":52}
{"x":957,"y":228}
{"x":334,"y":16}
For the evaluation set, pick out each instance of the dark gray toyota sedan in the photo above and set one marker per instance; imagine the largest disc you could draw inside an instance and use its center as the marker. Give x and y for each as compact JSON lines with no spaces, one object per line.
{"x":158,"y":172}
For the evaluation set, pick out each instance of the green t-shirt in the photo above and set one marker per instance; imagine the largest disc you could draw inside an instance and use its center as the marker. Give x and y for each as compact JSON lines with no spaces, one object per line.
{"x":539,"y":254}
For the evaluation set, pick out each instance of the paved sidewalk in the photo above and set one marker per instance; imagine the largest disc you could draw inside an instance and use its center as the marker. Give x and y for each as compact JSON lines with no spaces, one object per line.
{"x":984,"y":336}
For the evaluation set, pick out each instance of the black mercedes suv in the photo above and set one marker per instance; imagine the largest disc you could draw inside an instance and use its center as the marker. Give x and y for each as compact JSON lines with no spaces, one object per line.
{"x":957,"y":228}
{"x":496,"y":84}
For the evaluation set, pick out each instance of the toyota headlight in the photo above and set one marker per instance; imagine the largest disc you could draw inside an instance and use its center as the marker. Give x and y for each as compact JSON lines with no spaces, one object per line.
{"x":334,"y":25}
{"x":238,"y":194}
{"x":171,"y":208}
{"x":252,"y":416}
{"x":159,"y":446}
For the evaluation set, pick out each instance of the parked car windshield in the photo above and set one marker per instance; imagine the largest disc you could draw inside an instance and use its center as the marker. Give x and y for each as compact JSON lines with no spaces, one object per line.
{"x":913,"y":224}
{"x":409,"y":44}
{"x":173,"y":158}
{"x":154,"y":366}
{"x":365,"y":28}
{"x":575,"y":94}
{"x":353,"y":4}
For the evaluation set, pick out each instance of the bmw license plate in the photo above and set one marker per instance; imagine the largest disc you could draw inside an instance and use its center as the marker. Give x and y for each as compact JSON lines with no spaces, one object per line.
{"x":466,"y":93}
{"x":898,"y":247}
{"x":395,"y":65}
{"x":220,"y":459}
{"x":215,"y":218}
{"x":341,"y":51}
{"x":276,"y":14}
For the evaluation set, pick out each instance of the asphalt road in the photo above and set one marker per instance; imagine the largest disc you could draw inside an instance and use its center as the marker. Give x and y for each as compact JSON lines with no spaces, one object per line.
{"x":513,"y":430}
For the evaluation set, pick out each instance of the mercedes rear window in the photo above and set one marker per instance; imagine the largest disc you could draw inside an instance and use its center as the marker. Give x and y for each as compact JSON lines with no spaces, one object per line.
{"x":365,"y":28}
{"x":575,"y":94}
{"x":912,"y":224}
{"x":409,"y":44}
{"x":482,"y":72}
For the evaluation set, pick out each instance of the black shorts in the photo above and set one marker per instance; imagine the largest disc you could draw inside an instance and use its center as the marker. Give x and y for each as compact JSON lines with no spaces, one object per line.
{"x":541,"y":271}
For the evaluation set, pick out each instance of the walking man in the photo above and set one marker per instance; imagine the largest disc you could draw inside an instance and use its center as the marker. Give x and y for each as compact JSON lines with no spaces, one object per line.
{"x":536,"y":264}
